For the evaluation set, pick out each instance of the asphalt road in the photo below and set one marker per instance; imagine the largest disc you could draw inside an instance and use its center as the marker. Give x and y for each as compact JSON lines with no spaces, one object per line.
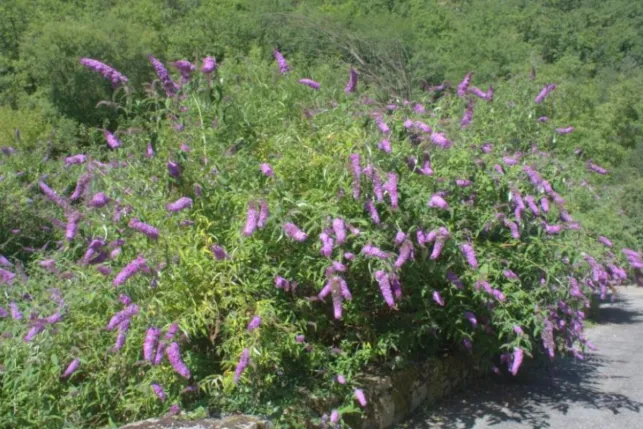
{"x":604,"y":391}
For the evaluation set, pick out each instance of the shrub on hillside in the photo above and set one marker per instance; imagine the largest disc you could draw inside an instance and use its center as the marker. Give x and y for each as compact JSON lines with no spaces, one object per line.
{"x":254,"y":244}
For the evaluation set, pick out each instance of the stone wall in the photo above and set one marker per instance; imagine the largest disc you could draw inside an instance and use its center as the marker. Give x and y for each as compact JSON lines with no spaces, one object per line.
{"x":391,"y":398}
{"x":394,"y":397}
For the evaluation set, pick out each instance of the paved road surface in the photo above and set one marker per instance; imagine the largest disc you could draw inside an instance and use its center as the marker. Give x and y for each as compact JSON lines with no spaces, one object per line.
{"x":605,"y":391}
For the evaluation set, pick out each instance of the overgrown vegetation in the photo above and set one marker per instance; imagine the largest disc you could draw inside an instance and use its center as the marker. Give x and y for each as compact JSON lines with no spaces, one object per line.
{"x":213,"y":220}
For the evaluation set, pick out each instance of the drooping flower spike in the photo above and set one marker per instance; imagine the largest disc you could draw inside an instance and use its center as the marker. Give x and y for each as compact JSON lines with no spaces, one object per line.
{"x":108,"y":72}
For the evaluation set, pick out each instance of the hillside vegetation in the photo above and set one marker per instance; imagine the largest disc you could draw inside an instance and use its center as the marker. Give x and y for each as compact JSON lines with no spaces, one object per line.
{"x":232,"y":206}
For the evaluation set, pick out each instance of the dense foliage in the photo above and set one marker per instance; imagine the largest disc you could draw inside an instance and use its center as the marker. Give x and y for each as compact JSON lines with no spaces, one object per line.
{"x":257,"y":233}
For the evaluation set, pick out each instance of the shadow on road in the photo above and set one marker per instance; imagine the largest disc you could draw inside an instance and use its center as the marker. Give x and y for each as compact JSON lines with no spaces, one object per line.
{"x":620,"y":311}
{"x":526,"y":399}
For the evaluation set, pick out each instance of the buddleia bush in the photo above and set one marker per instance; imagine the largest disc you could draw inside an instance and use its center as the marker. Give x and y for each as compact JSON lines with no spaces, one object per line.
{"x":252,"y":240}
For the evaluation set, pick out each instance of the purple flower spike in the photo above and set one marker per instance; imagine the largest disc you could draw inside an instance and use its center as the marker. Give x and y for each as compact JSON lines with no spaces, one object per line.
{"x":543,"y":119}
{"x":339,"y":227}
{"x":149,"y":151}
{"x":544,"y":93}
{"x":300,"y":339}
{"x":406,"y":253}
{"x":75,"y":159}
{"x":553,"y":229}
{"x":440,"y":240}
{"x":468,"y":115}
{"x":174,"y":356}
{"x":518,"y":356}
{"x":486,"y":148}
{"x":376,"y":252}
{"x":72,"y":225}
{"x":5,"y":262}
{"x":310,"y":83}
{"x":383,"y":127}
{"x":53,"y":196}
{"x":241,"y":366}
{"x":334,"y":416}
{"x":159,"y":392}
{"x":151,"y":339}
{"x":16,"y":314}
{"x":252,"y":217}
{"x":441,"y":140}
{"x":267,"y":169}
{"x":463,"y":183}
{"x":81,"y":186}
{"x":112,"y":141}
{"x":180,"y":204}
{"x":383,"y":280}
{"x":209,"y":65}
{"x":437,"y":201}
{"x":254,"y":323}
{"x":264,"y":212}
{"x":471,"y":318}
{"x":438,"y":298}
{"x":361,"y":398}
{"x":174,"y":169}
{"x":595,"y":168}
{"x":372,"y":211}
{"x":123,"y":327}
{"x":391,"y":187}
{"x":469,"y":253}
{"x":170,"y":87}
{"x":185,"y":68}
{"x":35,"y":330}
{"x":125,"y":314}
{"x":455,"y":280}
{"x":283,"y":65}
{"x":510,"y":275}
{"x":99,"y":200}
{"x":384,"y":146}
{"x":531,"y":203}
{"x":73,"y":366}
{"x":6,"y":276}
{"x":327,"y":244}
{"x":478,"y":92}
{"x":351,"y":85}
{"x":605,"y":241}
{"x":130,"y":269}
{"x":566,"y":130}
{"x":544,"y":204}
{"x":294,"y":232}
{"x":108,"y":72}
{"x":219,"y":252}
{"x":144,"y":228}
{"x":464,"y":85}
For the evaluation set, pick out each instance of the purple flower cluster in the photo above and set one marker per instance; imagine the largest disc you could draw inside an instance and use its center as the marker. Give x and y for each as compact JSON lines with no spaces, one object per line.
{"x":144,"y":228}
{"x":294,"y":232}
{"x":544,"y":93}
{"x":351,"y":85}
{"x":310,"y":83}
{"x":281,"y":61}
{"x":209,"y":65}
{"x":112,"y":141}
{"x":174,"y":356}
{"x":108,"y":72}
{"x":241,"y":365}
{"x":463,"y":86}
{"x":180,"y":204}
{"x":130,"y":270}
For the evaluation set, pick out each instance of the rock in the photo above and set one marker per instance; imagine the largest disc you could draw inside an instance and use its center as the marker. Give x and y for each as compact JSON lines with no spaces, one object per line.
{"x":233,"y":422}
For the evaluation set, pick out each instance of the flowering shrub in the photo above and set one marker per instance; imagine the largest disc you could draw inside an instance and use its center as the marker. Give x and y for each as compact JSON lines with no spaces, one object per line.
{"x":257,"y":246}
